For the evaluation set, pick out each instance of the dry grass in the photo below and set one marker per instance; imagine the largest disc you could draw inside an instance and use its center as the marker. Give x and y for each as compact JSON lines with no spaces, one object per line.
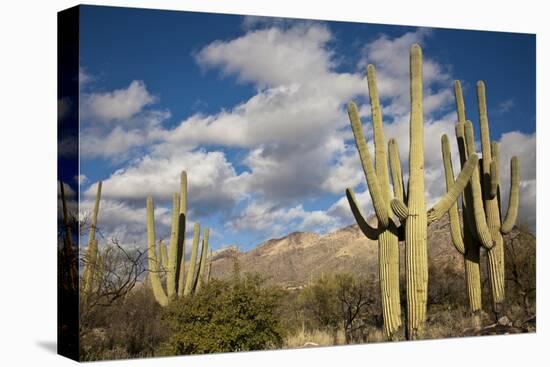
{"x":315,"y":338}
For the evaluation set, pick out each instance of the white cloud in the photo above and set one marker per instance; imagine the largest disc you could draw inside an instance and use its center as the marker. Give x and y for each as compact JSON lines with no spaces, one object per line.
{"x":117,"y":105}
{"x":524,"y":147}
{"x":212,"y":181}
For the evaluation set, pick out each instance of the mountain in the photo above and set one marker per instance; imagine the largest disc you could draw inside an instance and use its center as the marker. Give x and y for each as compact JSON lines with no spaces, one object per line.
{"x":293,"y":260}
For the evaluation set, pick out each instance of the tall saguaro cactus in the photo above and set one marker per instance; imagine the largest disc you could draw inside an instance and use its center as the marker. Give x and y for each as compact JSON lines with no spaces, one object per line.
{"x":173,"y":258}
{"x":413,"y":213}
{"x":379,"y":186}
{"x":464,"y":240}
{"x":491,"y":199}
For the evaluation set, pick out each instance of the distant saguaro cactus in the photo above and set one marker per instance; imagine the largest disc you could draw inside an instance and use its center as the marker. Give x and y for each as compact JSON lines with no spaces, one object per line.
{"x":91,"y":254}
{"x":174,"y":257}
{"x":379,"y":186}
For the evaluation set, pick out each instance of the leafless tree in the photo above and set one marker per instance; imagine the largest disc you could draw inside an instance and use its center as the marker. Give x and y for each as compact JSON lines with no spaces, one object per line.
{"x":116,"y":272}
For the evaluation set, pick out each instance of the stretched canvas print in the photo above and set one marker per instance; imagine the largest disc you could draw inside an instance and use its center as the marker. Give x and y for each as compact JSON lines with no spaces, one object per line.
{"x":234,"y":183}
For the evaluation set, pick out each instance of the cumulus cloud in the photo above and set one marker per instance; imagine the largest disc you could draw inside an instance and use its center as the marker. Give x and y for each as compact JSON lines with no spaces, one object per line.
{"x":212,"y":181}
{"x":524,"y":147}
{"x":117,"y":105}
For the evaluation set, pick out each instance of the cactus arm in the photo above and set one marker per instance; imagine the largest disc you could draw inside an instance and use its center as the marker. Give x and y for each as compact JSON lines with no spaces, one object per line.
{"x":179,"y":271}
{"x":484,"y":129}
{"x":164,"y":249}
{"x":173,"y":248}
{"x":380,"y":156}
{"x":161,"y":259}
{"x":396,"y":171}
{"x":375,"y":190}
{"x":450,"y":198}
{"x":400,"y":209}
{"x":202,"y":264}
{"x":192,"y":262}
{"x":209,"y":267}
{"x":156,"y":284}
{"x":370,"y":232}
{"x":91,"y":254}
{"x":93,"y":227}
{"x":456,"y":232}
{"x":459,"y":99}
{"x":513,"y":202}
{"x":181,"y":277}
{"x":494,"y":170}
{"x":482,"y":228}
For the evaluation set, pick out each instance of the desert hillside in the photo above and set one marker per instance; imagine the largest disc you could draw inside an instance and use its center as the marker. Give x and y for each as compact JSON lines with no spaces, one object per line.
{"x":300,"y":256}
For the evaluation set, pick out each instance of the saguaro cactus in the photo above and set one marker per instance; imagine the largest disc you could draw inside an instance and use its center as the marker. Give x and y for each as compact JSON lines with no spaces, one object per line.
{"x":171,"y":260}
{"x":379,"y":186}
{"x":91,"y":254}
{"x":465,"y":241}
{"x":414,"y":214}
{"x":491,"y":199}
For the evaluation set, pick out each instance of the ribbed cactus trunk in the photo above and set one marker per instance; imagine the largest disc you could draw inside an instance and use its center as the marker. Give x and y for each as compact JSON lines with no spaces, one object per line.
{"x":466,"y":240}
{"x":202,"y":264}
{"x":414,"y":214}
{"x":179,"y":272}
{"x":189,"y":280}
{"x":154,"y":266}
{"x":171,"y":268}
{"x":91,"y":254}
{"x":416,"y":225}
{"x":379,"y":187}
{"x":491,"y":199}
{"x":209,"y":267}
{"x":463,"y":239}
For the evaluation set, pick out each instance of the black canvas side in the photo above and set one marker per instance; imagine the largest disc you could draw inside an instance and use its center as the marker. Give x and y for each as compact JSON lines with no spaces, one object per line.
{"x":67,"y":172}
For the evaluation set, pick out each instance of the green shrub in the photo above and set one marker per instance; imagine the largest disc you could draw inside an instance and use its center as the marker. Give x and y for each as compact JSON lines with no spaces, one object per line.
{"x":224,"y":316}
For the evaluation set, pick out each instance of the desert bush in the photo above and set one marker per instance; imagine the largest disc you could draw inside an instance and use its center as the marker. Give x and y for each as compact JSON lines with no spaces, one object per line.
{"x":520,"y":252}
{"x":224,"y":316}
{"x":340,"y":302}
{"x":128,"y":328}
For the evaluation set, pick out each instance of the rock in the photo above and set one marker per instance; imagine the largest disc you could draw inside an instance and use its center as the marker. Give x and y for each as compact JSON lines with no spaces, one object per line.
{"x":504,"y":321}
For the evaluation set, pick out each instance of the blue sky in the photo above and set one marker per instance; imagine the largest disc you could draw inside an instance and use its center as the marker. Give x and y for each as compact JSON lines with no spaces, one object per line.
{"x":254,"y":109}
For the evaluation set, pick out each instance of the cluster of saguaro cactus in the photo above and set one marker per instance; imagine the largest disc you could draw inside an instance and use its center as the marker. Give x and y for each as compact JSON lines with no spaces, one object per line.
{"x":171,"y":261}
{"x":379,"y":186}
{"x":482,"y":223}
{"x":409,"y":206}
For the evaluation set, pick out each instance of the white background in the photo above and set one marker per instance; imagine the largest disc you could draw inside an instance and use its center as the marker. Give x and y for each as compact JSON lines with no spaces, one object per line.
{"x":28,"y":108}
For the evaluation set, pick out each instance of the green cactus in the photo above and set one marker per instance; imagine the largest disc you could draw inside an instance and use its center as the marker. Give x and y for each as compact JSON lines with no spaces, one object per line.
{"x":91,"y":254}
{"x":414,"y":214}
{"x":171,"y":260}
{"x":190,"y":279}
{"x":179,"y":272}
{"x":202,"y":264}
{"x":466,"y":243}
{"x":209,"y":267}
{"x":379,"y":186}
{"x":490,"y":183}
